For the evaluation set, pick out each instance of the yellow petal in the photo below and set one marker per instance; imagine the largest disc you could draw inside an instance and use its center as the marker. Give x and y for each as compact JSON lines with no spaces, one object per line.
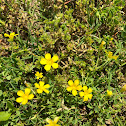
{"x":90,"y":96}
{"x":6,"y":35}
{"x":40,"y":75}
{"x":123,"y":88}
{"x":47,"y":67}
{"x":74,"y":92}
{"x":11,"y":37}
{"x":76,"y":82}
{"x":48,"y":120}
{"x":110,"y":54}
{"x":46,"y":86}
{"x":81,"y":94}
{"x":85,"y":88}
{"x":70,"y":82}
{"x":43,"y":61}
{"x":20,"y":93}
{"x":41,"y":83}
{"x":39,"y":90}
{"x":111,"y":39}
{"x":55,"y":65}
{"x":79,"y":87}
{"x":37,"y":73}
{"x":57,"y":125}
{"x":48,"y":56}
{"x":27,"y":91}
{"x":103,"y":42}
{"x":89,"y":90}
{"x":31,"y":96}
{"x":46,"y":91}
{"x":56,"y":119}
{"x":12,"y":34}
{"x":69,"y":88}
{"x":24,"y":101}
{"x":85,"y":98}
{"x":115,"y":57}
{"x":20,"y":99}
{"x":109,"y":93}
{"x":55,"y":58}
{"x":36,"y":85}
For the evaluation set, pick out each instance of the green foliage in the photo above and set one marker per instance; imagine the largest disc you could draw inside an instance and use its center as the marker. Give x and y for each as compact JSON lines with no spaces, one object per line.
{"x":4,"y":116}
{"x":74,"y":30}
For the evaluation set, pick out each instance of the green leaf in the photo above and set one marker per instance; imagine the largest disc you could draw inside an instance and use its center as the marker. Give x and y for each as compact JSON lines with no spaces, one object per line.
{"x":4,"y":116}
{"x":2,"y":22}
{"x":8,"y":77}
{"x":89,"y":106}
{"x":91,"y":112}
{"x":10,"y":105}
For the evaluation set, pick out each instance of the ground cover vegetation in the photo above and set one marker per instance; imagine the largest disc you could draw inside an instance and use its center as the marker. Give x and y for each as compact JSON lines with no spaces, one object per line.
{"x":62,"y":62}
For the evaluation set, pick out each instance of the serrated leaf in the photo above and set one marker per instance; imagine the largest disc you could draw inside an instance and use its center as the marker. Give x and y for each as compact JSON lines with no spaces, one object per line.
{"x":4,"y":116}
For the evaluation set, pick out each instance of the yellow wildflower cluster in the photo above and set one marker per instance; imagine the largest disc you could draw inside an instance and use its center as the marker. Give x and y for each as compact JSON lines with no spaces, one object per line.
{"x":74,"y":86}
{"x":48,"y":62}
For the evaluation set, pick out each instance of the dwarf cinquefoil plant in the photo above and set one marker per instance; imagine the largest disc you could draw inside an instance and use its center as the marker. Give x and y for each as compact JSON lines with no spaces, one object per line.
{"x":86,"y":94}
{"x":74,"y":86}
{"x":48,"y":62}
{"x":11,"y":36}
{"x":41,"y":87}
{"x":24,"y":96}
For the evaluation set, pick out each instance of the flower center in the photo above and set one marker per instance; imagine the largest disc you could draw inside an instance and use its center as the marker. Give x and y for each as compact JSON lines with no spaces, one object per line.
{"x":42,"y":88}
{"x":50,"y":62}
{"x":74,"y":87}
{"x":86,"y":93}
{"x":25,"y":96}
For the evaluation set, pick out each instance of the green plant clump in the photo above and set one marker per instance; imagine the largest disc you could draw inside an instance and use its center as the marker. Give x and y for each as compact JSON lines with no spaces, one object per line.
{"x":62,"y":63}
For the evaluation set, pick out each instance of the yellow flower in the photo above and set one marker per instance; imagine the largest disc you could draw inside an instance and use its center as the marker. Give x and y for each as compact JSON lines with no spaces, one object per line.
{"x":24,"y":97}
{"x":11,"y":36}
{"x":115,"y":57}
{"x":111,"y":39}
{"x":41,"y":87}
{"x":102,"y":44}
{"x":38,"y":75}
{"x":48,"y":61}
{"x":110,"y":55}
{"x":109,"y":93}
{"x":86,"y":94}
{"x":123,"y":88}
{"x":52,"y":123}
{"x":74,"y":87}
